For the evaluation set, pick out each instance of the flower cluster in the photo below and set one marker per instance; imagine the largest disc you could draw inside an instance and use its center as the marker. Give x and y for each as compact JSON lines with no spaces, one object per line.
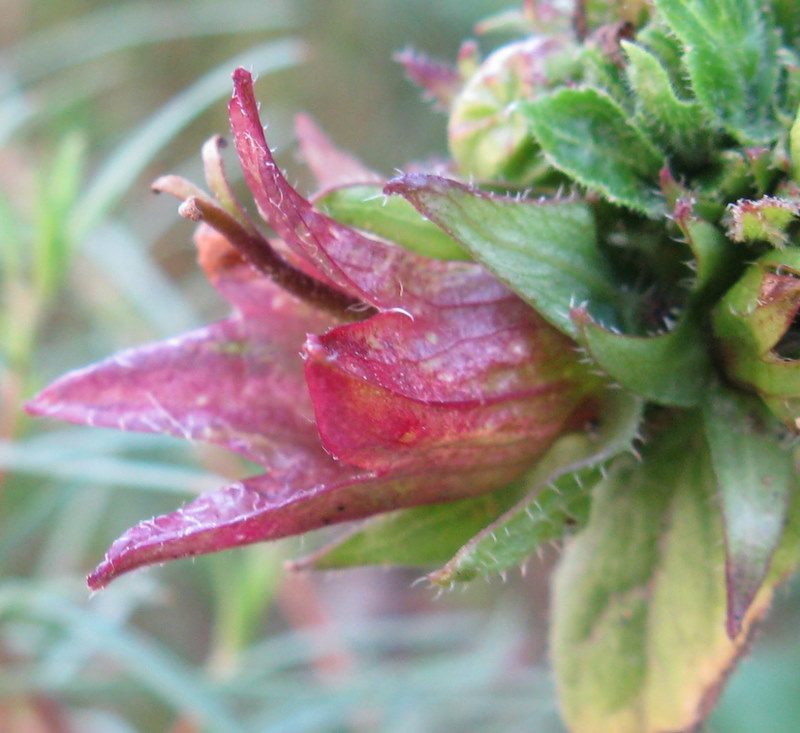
{"x":606,"y":352}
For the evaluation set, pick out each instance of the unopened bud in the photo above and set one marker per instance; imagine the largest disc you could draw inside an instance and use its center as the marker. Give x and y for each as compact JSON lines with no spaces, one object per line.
{"x":488,"y":137}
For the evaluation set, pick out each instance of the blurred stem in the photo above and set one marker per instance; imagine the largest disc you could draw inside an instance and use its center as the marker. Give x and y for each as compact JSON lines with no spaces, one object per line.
{"x":334,"y":663}
{"x":244,"y":586}
{"x":300,"y":602}
{"x":34,"y":258}
{"x":579,"y":22}
{"x":21,"y":316}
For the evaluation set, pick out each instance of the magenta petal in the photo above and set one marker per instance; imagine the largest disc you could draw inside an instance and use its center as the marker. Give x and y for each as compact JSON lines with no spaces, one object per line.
{"x":331,"y":166}
{"x":222,"y":384}
{"x":491,"y":386}
{"x":383,"y":275}
{"x":309,"y":492}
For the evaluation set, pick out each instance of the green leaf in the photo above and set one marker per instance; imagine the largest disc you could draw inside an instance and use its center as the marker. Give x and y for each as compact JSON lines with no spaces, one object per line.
{"x":755,"y":472}
{"x":678,"y":126}
{"x":57,"y":193}
{"x":794,"y":147}
{"x":669,"y":368}
{"x":787,"y":21}
{"x":715,"y":257}
{"x":426,"y":535}
{"x":393,"y":218}
{"x":561,"y":504}
{"x":587,"y":135}
{"x":557,"y":510}
{"x":638,"y":636}
{"x":546,"y":250}
{"x":659,"y":40}
{"x":731,"y":55}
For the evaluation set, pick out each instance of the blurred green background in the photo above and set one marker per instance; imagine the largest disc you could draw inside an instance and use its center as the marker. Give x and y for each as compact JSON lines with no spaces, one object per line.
{"x":96,"y":100}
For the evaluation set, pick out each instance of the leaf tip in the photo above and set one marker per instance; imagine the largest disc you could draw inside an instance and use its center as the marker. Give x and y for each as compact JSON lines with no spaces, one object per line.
{"x":740,"y":594}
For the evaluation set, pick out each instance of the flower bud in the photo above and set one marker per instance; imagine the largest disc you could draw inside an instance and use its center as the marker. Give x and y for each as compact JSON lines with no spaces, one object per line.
{"x":755,"y":326}
{"x":488,"y":137}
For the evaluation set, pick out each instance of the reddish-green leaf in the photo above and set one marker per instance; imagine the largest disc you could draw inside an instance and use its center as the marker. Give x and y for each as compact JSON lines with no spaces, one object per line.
{"x":638,"y":636}
{"x":755,"y":472}
{"x":425,"y":535}
{"x":546,"y":251}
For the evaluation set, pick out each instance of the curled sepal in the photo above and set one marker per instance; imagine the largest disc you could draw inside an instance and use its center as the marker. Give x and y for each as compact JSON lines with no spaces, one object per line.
{"x":669,"y":368}
{"x":546,"y":251}
{"x":373,"y":271}
{"x":557,"y":499}
{"x":754,"y":468}
{"x":492,"y":385}
{"x":713,"y":255}
{"x":754,"y":324}
{"x":648,"y":602}
{"x":764,"y":220}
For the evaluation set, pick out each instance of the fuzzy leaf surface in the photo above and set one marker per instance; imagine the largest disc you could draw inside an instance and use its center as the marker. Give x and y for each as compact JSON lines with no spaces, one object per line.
{"x":731,"y":55}
{"x":588,"y":136}
{"x":546,"y":251}
{"x":679,"y":126}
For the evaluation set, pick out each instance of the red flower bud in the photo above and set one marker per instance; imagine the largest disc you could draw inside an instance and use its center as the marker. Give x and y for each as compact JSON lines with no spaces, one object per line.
{"x":448,"y":386}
